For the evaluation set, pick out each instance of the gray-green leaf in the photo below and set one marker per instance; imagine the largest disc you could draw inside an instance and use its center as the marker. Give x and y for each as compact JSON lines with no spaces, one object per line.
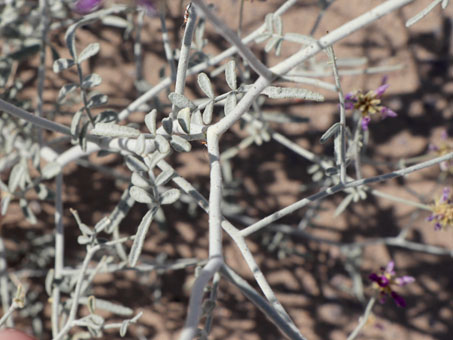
{"x":141,"y":195}
{"x":180,"y":144}
{"x":89,"y":51}
{"x":150,"y":121}
{"x":275,"y":92}
{"x":278,"y":23}
{"x":142,"y":230}
{"x":138,"y":180}
{"x":184,"y":119}
{"x":162,"y":144}
{"x":75,"y":125}
{"x":207,"y":113}
{"x":330,"y":132}
{"x":62,"y":64}
{"x":170,"y":196}
{"x":180,"y":100}
{"x":91,"y":80}
{"x":97,"y":100}
{"x":205,"y":85}
{"x":230,"y":103}
{"x":230,"y":75}
{"x":167,"y":124}
{"x":115,"y":130}
{"x":17,"y":176}
{"x":65,"y":90}
{"x":51,"y":170}
{"x":135,"y":164}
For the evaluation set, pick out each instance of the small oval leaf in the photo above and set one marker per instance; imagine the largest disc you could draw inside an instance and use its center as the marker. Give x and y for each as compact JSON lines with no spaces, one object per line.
{"x":142,"y":230}
{"x":167,"y":124}
{"x":230,"y":75}
{"x":150,"y":121}
{"x":205,"y":85}
{"x":170,"y":196}
{"x":278,"y":24}
{"x":51,"y":170}
{"x":207,"y":113}
{"x":97,"y":100}
{"x":230,"y":104}
{"x":91,"y":80}
{"x":65,"y":90}
{"x":115,"y":130}
{"x":330,"y":132}
{"x":140,"y":144}
{"x":184,"y":119}
{"x":180,"y":100}
{"x":162,"y":144}
{"x":141,"y":195}
{"x":75,"y":125}
{"x":89,"y":51}
{"x":135,"y":164}
{"x":180,"y":144}
{"x":62,"y":64}
{"x":138,"y":180}
{"x":17,"y":176}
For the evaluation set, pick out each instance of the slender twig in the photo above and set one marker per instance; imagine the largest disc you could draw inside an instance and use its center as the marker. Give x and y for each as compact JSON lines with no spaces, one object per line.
{"x":363,"y":319}
{"x":240,"y":242}
{"x":35,"y":120}
{"x":284,"y":67}
{"x":14,"y":305}
{"x":4,"y":282}
{"x":42,"y":61}
{"x":233,"y":38}
{"x":258,"y":301}
{"x":334,"y":189}
{"x":196,"y":297}
{"x":59,"y":253}
{"x":212,"y":297}
{"x":79,"y":285}
{"x":138,"y":49}
{"x":183,"y":61}
{"x":167,"y":47}
{"x":342,"y":141}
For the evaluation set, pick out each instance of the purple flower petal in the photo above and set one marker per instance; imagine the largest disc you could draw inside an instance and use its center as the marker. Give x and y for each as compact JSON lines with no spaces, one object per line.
{"x":430,"y":218}
{"x":350,"y":97}
{"x":381,"y":89}
{"x":398,"y":300}
{"x":365,"y":122}
{"x":404,"y":280}
{"x":86,"y":6}
{"x":437,"y":226}
{"x":386,"y":112}
{"x":445,"y":194}
{"x":348,"y":105}
{"x":374,"y":277}
{"x":389,"y":268}
{"x":433,"y":147}
{"x":384,"y":282}
{"x":444,"y":135}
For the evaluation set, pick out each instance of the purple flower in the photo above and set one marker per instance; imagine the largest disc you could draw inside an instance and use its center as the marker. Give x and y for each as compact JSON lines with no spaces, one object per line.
{"x":384,"y":281}
{"x":369,"y":104}
{"x":87,"y":6}
{"x":442,"y":211}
